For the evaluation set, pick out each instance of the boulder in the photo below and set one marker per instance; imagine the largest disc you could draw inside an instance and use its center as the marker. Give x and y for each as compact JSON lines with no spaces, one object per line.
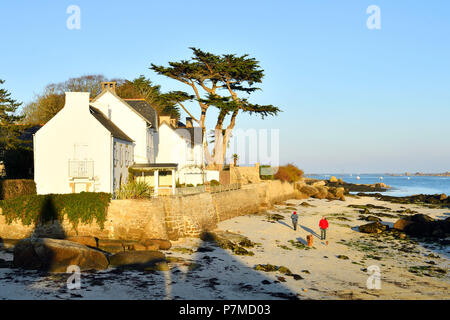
{"x":372,"y":218}
{"x":421,"y":218}
{"x":308,"y":190}
{"x":421,"y":225}
{"x":336,"y":193}
{"x":374,"y":227}
{"x":86,"y":240}
{"x":401,"y":224}
{"x":319,"y":183}
{"x":419,"y":229}
{"x":160,"y":243}
{"x":111,"y":246}
{"x":137,"y":259}
{"x":322,"y":193}
{"x":55,"y":255}
{"x":333,"y":179}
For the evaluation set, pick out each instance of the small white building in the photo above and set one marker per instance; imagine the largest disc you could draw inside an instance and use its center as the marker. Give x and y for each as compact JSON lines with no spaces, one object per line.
{"x":182,"y":144}
{"x":80,"y":149}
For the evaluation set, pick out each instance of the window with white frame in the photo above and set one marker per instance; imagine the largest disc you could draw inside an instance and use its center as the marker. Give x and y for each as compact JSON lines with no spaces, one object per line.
{"x":116,"y":154}
{"x":121,"y":155}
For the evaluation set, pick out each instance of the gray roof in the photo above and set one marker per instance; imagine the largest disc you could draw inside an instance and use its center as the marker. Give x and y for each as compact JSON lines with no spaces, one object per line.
{"x":194,"y":134}
{"x":109,"y":125}
{"x":145,"y":110}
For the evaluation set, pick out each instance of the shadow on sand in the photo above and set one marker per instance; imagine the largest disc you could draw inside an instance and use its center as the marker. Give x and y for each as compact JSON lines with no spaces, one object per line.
{"x":216,"y":274}
{"x":311,"y":231}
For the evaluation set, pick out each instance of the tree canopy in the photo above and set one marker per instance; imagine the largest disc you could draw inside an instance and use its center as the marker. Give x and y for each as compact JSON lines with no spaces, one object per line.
{"x":48,"y":103}
{"x":220,"y":81}
{"x":9,"y":131}
{"x":143,"y":88}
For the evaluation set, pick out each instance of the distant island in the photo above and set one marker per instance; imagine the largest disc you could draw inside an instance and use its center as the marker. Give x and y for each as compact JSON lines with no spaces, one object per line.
{"x":407,"y":174}
{"x":444,"y":174}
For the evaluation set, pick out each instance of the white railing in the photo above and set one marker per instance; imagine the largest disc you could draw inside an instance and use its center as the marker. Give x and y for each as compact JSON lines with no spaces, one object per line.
{"x":81,"y":168}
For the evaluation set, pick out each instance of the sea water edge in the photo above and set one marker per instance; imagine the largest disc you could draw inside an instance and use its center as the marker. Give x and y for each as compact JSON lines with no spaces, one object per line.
{"x":401,"y":186}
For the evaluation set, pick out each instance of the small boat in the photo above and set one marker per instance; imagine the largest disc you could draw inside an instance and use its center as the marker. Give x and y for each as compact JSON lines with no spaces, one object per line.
{"x":409,"y":178}
{"x":357,"y":178}
{"x":381,"y":178}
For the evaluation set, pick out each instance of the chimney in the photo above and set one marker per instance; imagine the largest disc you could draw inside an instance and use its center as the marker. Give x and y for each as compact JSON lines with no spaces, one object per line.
{"x":165,"y":119}
{"x":109,"y":86}
{"x":78,"y":101}
{"x":189,"y":122}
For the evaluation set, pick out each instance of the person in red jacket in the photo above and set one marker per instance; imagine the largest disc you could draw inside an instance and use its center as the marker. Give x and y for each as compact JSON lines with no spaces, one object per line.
{"x":323,"y":224}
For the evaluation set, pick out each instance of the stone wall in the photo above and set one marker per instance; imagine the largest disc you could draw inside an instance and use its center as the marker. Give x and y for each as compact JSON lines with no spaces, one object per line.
{"x":244,"y":175}
{"x":164,"y":217}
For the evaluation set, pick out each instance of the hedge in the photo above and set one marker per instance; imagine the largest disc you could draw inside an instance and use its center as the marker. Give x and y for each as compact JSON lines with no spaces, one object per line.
{"x":81,"y":207}
{"x":13,"y":188}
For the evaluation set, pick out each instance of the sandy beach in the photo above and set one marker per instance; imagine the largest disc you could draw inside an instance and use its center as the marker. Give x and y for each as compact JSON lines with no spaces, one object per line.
{"x":201,"y":270}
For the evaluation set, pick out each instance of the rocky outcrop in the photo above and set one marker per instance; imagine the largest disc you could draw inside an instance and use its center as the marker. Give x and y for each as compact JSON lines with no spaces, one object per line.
{"x":433,"y":200}
{"x":320,"y":191}
{"x":307,"y":190}
{"x":137,"y":259}
{"x":374,"y":227}
{"x":56,"y":255}
{"x":420,"y":225}
{"x":159,"y":244}
{"x":372,"y":218}
{"x":86,"y":240}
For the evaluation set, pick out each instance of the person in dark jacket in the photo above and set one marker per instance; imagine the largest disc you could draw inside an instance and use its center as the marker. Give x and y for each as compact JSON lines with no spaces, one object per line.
{"x":323,"y":225}
{"x":294,"y":218}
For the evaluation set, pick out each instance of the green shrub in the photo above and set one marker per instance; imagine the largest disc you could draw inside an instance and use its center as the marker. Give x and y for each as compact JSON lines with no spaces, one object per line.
{"x":134,"y":190}
{"x":10,"y":189}
{"x":131,"y":174}
{"x":189,"y":185}
{"x":81,"y":207}
{"x":289,"y":173}
{"x":214,"y":183}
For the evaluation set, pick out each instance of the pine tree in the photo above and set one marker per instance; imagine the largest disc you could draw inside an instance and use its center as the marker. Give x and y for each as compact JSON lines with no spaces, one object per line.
{"x":219,"y":81}
{"x":9,"y":131}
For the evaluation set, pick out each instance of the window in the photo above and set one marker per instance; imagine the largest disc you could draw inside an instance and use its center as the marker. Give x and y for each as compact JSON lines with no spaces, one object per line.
{"x":116,"y":154}
{"x":127,"y":155}
{"x":121,"y":155}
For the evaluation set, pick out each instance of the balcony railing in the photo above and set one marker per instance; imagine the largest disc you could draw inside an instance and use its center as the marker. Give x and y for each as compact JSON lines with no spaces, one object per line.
{"x":81,"y":168}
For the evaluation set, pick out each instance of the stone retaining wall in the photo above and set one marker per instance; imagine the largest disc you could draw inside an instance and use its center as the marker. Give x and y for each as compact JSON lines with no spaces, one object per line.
{"x":164,"y":217}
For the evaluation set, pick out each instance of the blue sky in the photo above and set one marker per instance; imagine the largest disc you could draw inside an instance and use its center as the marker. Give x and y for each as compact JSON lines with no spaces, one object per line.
{"x":353,"y":99}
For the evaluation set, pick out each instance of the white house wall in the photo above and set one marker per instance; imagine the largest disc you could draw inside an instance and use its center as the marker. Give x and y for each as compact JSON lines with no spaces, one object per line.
{"x":54,"y":146}
{"x":172,"y":148}
{"x":132,"y":124}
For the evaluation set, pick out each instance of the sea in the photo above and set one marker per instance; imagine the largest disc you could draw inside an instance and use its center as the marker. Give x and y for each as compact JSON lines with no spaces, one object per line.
{"x":401,"y":186}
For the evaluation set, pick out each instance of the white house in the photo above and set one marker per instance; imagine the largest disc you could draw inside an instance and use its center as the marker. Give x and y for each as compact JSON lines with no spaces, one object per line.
{"x":182,"y":144}
{"x":134,"y":116}
{"x":163,"y":144}
{"x":92,"y":145}
{"x":80,"y":149}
